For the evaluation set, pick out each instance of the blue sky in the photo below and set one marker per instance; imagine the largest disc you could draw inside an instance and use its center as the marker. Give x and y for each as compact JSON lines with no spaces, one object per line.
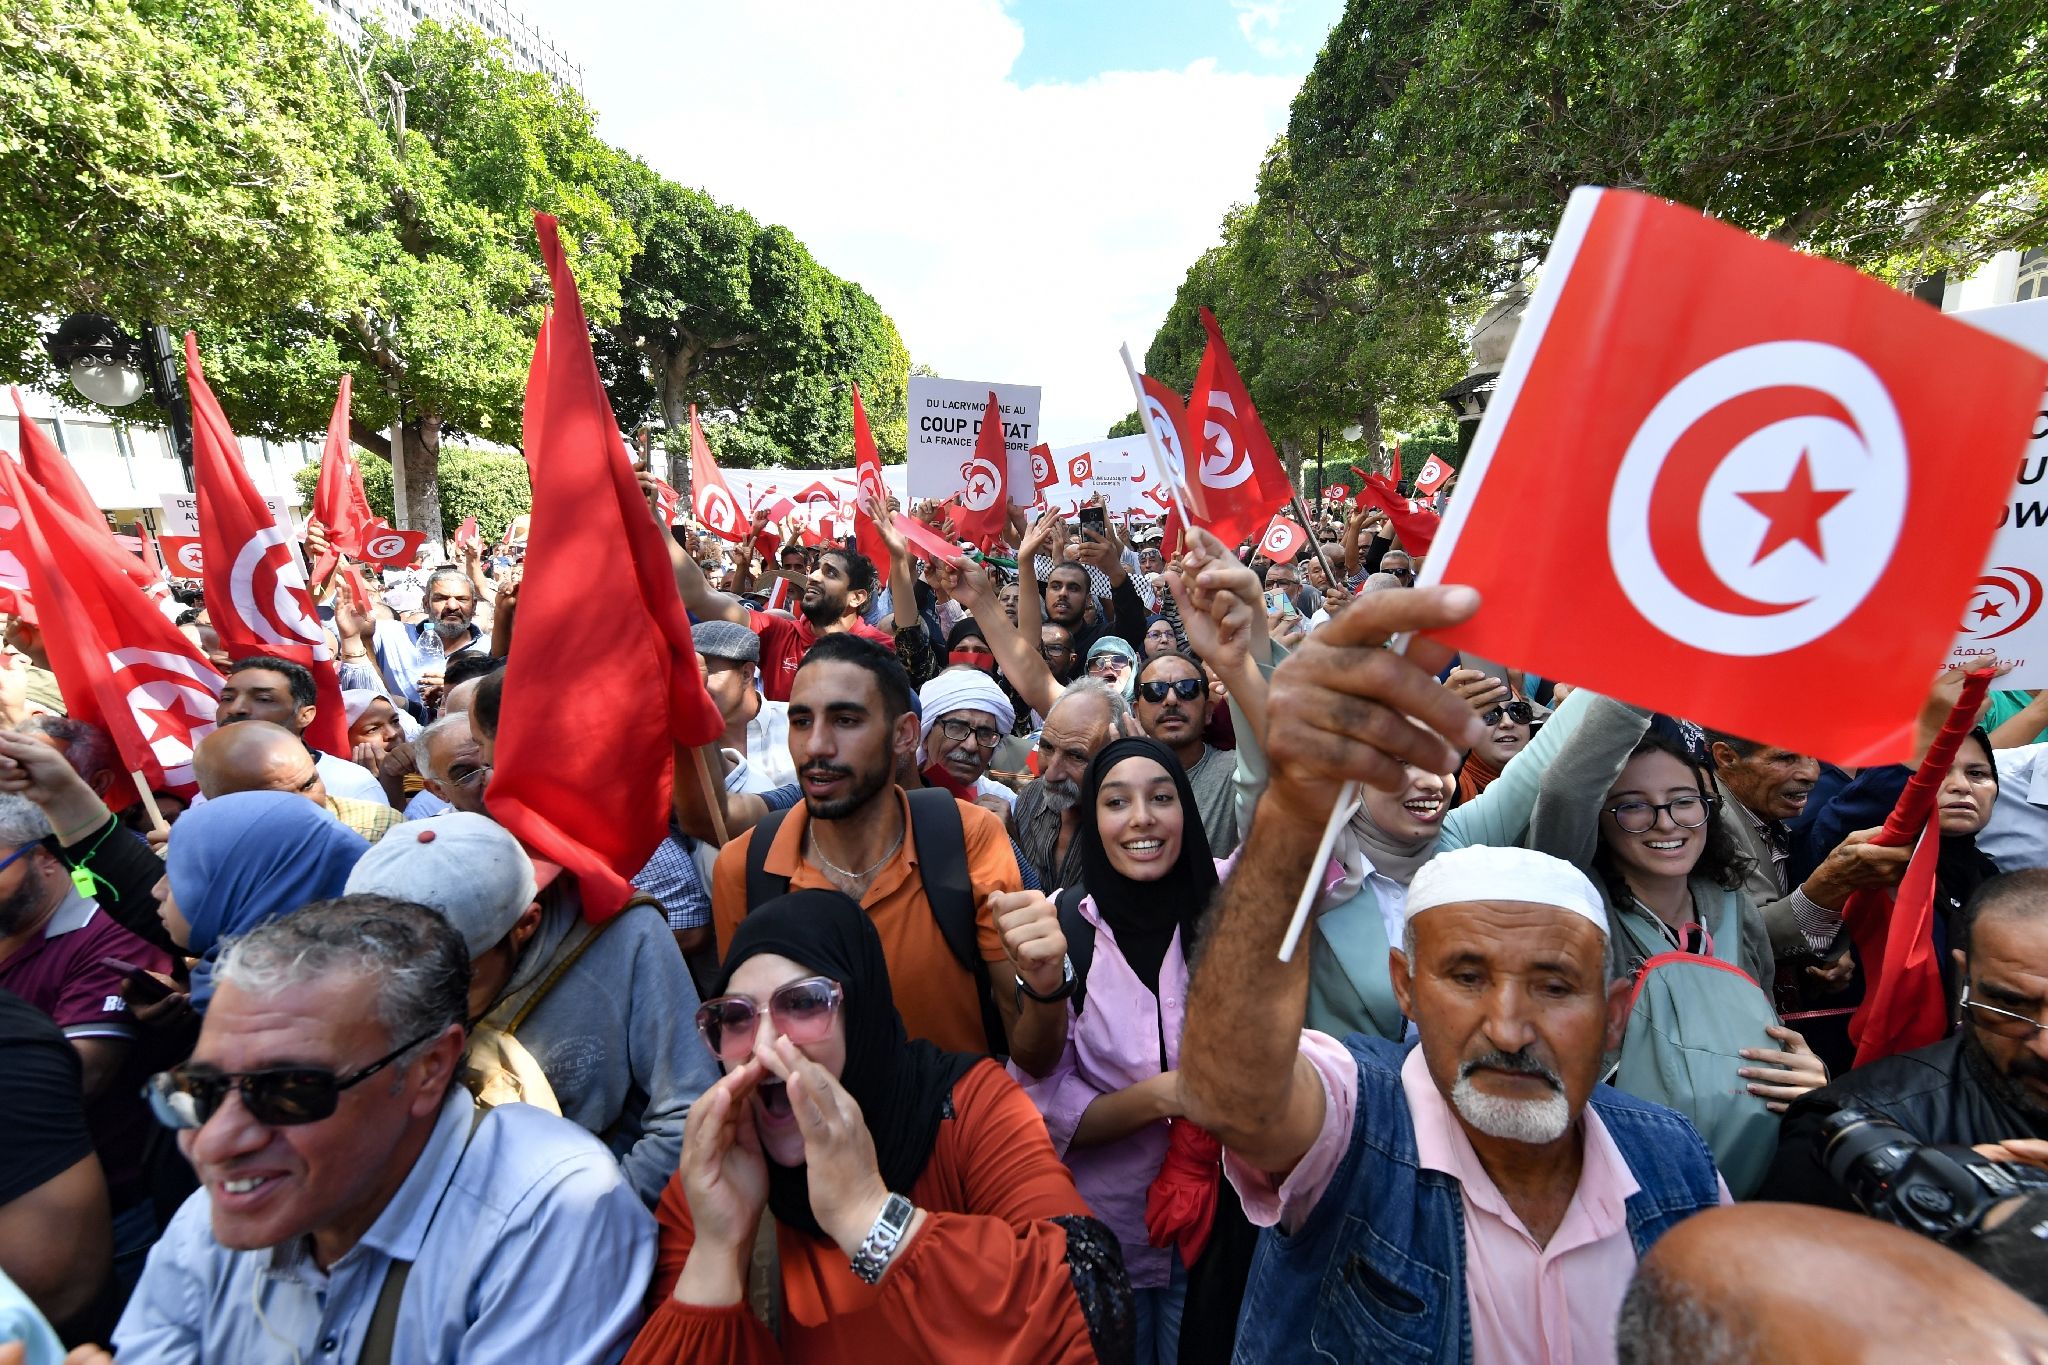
{"x":1021,"y":186}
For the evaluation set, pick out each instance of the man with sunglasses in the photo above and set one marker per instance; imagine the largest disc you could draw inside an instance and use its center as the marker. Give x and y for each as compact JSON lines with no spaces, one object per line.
{"x":342,"y":1170}
{"x":1174,"y":707}
{"x":1984,"y":1086}
{"x":257,"y":756}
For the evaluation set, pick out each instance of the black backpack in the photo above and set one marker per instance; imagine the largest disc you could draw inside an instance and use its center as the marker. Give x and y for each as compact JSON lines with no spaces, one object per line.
{"x":941,"y":842}
{"x":1080,"y":936}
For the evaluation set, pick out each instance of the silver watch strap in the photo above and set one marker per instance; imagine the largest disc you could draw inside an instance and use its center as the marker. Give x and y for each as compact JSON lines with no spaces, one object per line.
{"x":883,"y":1238}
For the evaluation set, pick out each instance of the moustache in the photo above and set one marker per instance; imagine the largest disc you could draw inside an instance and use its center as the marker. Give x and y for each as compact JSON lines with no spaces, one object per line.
{"x":1061,"y":794}
{"x":1521,"y":1063}
{"x":818,"y":768}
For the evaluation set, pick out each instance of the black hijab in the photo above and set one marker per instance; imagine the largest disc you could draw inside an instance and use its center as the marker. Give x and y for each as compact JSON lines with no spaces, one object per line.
{"x":1144,"y":915}
{"x":901,"y":1085}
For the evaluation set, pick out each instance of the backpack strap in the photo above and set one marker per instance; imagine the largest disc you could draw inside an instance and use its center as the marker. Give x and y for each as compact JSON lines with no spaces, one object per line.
{"x":1079,"y":932}
{"x":941,"y":840}
{"x":566,"y":961}
{"x":762,"y":885}
{"x":383,"y":1329}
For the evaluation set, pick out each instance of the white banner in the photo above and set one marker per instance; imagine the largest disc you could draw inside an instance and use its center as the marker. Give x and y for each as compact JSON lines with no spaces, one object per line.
{"x":945,"y":418}
{"x":2004,"y":616}
{"x":1118,"y":467}
{"x":181,"y":513}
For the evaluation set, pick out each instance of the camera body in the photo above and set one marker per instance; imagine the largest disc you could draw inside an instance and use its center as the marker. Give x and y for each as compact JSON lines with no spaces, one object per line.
{"x":1942,"y":1192}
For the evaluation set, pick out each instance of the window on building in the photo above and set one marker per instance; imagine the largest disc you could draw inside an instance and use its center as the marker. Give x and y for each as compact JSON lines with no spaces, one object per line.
{"x":2033,"y":276}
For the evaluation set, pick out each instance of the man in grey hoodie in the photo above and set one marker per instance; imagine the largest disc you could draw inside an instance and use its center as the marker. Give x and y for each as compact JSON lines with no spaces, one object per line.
{"x":605,"y":1010}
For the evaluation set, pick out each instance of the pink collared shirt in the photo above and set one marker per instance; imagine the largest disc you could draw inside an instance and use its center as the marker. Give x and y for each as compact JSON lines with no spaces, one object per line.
{"x":1554,"y":1303}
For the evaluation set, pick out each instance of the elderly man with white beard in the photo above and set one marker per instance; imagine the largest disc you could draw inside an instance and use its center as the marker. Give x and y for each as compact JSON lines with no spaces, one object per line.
{"x":1475,"y":1195}
{"x":1087,"y":716}
{"x":964,"y":717}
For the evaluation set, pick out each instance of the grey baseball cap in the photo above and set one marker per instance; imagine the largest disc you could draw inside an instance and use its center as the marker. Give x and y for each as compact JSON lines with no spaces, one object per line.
{"x":467,"y":867}
{"x":726,"y":640}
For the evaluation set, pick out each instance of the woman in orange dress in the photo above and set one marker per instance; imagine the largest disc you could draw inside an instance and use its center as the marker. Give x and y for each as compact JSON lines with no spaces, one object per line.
{"x":919,"y":1211}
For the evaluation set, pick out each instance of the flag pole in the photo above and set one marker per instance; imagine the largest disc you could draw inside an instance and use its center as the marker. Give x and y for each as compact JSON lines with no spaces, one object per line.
{"x":1329,"y":574}
{"x":156,"y":816}
{"x":709,"y":788}
{"x":1154,"y":449}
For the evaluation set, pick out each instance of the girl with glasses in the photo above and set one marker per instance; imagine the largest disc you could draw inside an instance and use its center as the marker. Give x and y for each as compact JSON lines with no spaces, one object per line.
{"x":915,"y":1208}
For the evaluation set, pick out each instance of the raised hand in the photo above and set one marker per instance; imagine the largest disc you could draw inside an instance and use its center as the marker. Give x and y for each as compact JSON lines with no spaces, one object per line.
{"x":1481,"y":691}
{"x":725,"y":1176}
{"x":846,"y":1186}
{"x":1030,"y":926}
{"x":1043,"y":532}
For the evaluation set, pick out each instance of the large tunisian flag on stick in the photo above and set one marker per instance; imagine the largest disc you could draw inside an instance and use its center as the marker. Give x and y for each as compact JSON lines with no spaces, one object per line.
{"x":985,"y":483}
{"x":867,"y":468}
{"x":1414,"y":524}
{"x":1242,"y":483}
{"x":119,"y":661}
{"x":717,"y":510}
{"x":1730,"y":441}
{"x":256,"y":593}
{"x":600,"y":806}
{"x":51,"y":472}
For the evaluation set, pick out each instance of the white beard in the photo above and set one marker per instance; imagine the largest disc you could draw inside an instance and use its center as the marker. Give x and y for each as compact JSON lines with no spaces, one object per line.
{"x":1537,"y":1122}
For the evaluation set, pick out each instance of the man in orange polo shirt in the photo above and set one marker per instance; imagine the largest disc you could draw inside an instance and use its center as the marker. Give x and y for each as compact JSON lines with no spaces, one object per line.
{"x":850,"y":724}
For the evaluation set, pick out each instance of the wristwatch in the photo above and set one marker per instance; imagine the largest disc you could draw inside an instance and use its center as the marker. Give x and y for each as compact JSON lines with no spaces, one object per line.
{"x":1060,"y":992}
{"x":883,"y":1238}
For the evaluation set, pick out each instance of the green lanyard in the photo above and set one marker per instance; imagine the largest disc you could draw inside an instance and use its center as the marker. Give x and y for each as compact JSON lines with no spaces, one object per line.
{"x":83,"y":878}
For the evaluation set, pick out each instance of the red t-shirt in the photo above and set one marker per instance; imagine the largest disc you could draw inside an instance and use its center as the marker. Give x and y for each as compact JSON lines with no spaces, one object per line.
{"x":784,"y":642}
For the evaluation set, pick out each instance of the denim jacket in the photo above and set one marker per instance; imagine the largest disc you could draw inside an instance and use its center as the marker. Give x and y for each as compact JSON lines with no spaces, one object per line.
{"x":1376,"y":1272}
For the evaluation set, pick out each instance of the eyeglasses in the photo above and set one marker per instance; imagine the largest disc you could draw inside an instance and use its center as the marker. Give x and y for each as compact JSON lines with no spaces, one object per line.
{"x":277,"y":1097}
{"x":18,"y":854}
{"x":802,"y":1010}
{"x":481,"y":772}
{"x":1055,"y":649}
{"x":1640,"y":817}
{"x":958,"y":731}
{"x":1520,"y":712}
{"x":1108,"y":663}
{"x":1187,"y":689}
{"x":2003,"y":1023}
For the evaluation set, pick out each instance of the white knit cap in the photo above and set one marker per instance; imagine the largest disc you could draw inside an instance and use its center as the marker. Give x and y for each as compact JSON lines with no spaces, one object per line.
{"x":1483,"y":873}
{"x":963,"y":689}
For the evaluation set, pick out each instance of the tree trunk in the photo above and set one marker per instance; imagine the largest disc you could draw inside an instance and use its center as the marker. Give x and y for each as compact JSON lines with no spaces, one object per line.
{"x":423,"y":475}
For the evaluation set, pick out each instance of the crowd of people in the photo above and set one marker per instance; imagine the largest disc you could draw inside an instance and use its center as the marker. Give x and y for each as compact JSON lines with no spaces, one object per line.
{"x":949,"y":1020}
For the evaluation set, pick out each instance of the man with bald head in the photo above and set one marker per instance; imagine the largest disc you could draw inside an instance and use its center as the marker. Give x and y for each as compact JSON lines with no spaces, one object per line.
{"x":1479,"y":1196}
{"x":1087,"y":716}
{"x":1704,"y":1296}
{"x":257,"y":756}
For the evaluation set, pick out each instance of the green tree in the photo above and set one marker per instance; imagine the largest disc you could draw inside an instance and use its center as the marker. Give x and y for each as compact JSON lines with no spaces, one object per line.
{"x":166,"y":160}
{"x":740,"y":320}
{"x":440,"y":287}
{"x":487,"y":485}
{"x":1437,"y":142}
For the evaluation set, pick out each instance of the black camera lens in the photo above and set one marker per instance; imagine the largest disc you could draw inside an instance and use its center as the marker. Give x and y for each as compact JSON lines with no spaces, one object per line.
{"x":1862,"y":1151}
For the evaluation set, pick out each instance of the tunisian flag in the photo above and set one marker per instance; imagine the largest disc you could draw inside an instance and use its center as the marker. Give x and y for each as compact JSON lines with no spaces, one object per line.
{"x":51,"y":472}
{"x":1904,"y":1006}
{"x":1283,"y":540}
{"x":1238,"y":483}
{"x":1729,"y":441}
{"x":339,"y":502}
{"x":984,"y":497}
{"x":119,"y":661}
{"x":531,"y":414}
{"x":1434,"y":472}
{"x":256,"y":593}
{"x":867,"y":468}
{"x":598,"y":807}
{"x":1413,"y":523}
{"x":717,"y":510}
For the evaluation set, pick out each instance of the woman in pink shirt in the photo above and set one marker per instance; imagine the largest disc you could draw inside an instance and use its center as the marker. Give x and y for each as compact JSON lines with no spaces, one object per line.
{"x":1114,"y":1095}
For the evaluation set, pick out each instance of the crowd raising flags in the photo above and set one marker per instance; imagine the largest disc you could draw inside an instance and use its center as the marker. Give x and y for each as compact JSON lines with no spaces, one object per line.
{"x":837,"y":887}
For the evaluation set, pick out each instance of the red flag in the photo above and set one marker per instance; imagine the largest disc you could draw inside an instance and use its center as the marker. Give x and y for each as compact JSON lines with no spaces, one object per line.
{"x":816,"y":499}
{"x":120,"y":663}
{"x":1171,"y":533}
{"x":1395,"y":459}
{"x":1434,"y":472}
{"x":1741,"y":436}
{"x":14,"y":594}
{"x":716,"y":509}
{"x":392,"y":548}
{"x":358,"y":588}
{"x":666,"y":500}
{"x":52,"y":472}
{"x":1166,"y":418}
{"x":532,"y":408}
{"x":1413,"y":523}
{"x":1283,"y":540}
{"x":339,"y":503}
{"x":152,"y":557}
{"x":256,"y":593}
{"x":1043,"y":473}
{"x":184,"y":556}
{"x":1242,"y":482}
{"x":1081,"y":470}
{"x":867,"y":465}
{"x":767,"y":543}
{"x":1337,"y":492}
{"x":467,"y":533}
{"x":601,"y":806}
{"x":984,"y":497}
{"x":1904,"y":1006}
{"x":928,"y":544}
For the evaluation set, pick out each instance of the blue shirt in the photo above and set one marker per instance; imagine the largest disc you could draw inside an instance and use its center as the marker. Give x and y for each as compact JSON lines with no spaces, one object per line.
{"x":404,"y":651}
{"x":526,"y":1244}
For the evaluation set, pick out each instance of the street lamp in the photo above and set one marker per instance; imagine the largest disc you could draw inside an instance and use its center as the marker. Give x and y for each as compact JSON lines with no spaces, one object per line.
{"x":111,"y":368}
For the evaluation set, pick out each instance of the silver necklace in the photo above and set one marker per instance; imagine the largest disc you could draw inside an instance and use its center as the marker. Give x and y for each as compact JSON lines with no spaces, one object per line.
{"x":861,"y":878}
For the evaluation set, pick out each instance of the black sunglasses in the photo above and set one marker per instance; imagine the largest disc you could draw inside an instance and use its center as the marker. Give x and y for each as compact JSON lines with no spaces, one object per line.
{"x":1187,"y":689}
{"x":1520,"y":712}
{"x":277,"y":1097}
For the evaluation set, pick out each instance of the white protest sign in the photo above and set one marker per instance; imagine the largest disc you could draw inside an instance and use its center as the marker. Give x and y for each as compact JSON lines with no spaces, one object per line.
{"x":2004,"y":616}
{"x":1116,"y":467}
{"x":181,"y":513}
{"x":945,"y":419}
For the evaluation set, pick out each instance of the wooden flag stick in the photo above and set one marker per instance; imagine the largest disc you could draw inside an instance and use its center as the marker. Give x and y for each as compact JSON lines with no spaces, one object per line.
{"x":156,"y":816}
{"x":1330,"y":575}
{"x":704,"y":785}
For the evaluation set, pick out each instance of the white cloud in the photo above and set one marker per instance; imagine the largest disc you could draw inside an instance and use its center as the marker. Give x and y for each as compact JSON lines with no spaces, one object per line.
{"x":1014,"y":233}
{"x":1259,"y":21}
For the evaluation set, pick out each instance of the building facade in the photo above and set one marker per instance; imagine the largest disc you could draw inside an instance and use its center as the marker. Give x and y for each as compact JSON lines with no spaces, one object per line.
{"x":527,"y":47}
